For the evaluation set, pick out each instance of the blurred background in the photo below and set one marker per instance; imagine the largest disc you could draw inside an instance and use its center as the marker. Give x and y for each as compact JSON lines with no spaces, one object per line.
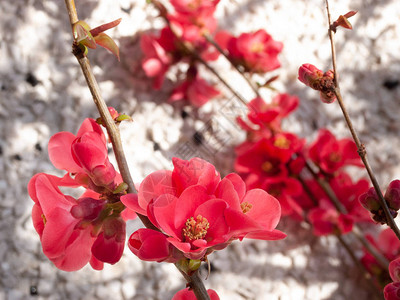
{"x":42,"y":91}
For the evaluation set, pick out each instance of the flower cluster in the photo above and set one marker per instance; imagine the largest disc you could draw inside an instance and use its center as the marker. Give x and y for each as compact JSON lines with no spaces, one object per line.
{"x":91,"y":228}
{"x":275,"y":161}
{"x":184,"y":39}
{"x":196,"y":212}
{"x":389,"y":246}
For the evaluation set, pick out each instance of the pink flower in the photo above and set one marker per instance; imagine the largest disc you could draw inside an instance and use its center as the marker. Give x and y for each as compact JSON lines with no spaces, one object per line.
{"x":198,"y":212}
{"x":156,"y":61}
{"x":64,"y":241}
{"x":84,"y":155}
{"x":256,"y":52}
{"x":331,"y":154}
{"x":267,"y":158}
{"x":195,"y":90}
{"x":267,"y":116}
{"x":75,"y":232}
{"x":109,"y":244}
{"x":251,"y":214}
{"x":187,"y":294}
{"x":142,"y":243}
{"x":388,"y":245}
{"x":327,"y":220}
{"x":194,"y":7}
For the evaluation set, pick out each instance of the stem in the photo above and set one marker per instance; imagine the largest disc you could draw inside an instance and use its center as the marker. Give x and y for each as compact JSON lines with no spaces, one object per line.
{"x":194,"y":280}
{"x":361,"y":147}
{"x":367,"y":275}
{"x":196,"y":284}
{"x":339,"y":207}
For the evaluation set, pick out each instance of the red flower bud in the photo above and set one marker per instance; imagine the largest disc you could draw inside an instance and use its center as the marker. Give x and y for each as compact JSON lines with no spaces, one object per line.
{"x":370,"y":200}
{"x":392,"y":291}
{"x":310,"y":75}
{"x":392,"y":195}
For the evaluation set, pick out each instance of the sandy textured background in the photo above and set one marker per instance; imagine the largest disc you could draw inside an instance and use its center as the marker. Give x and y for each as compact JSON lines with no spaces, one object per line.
{"x":42,"y":91}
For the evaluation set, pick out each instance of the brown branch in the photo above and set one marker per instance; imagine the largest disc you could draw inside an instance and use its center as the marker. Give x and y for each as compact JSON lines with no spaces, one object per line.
{"x":326,"y":187}
{"x":361,"y":148}
{"x":194,"y":280}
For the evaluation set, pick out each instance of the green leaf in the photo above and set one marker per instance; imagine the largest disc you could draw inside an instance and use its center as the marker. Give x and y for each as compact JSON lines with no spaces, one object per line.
{"x":105,"y":41}
{"x":123,"y":117}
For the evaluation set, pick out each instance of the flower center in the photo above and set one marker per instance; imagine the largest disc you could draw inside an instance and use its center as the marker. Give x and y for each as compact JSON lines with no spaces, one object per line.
{"x":267,"y":166}
{"x":245,"y":206}
{"x":257,"y":47}
{"x":44,"y":219}
{"x":282,"y":143}
{"x":335,"y":157}
{"x":196,"y":228}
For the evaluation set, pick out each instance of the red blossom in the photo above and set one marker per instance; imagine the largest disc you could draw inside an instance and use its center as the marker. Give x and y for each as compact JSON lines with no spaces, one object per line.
{"x":198,"y":212}
{"x":389,"y":246}
{"x":85,"y":156}
{"x":142,"y":242}
{"x":256,"y":52}
{"x":156,"y":61}
{"x":331,"y":154}
{"x":327,"y":220}
{"x":64,"y":241}
{"x":187,"y":294}
{"x":267,"y":116}
{"x":195,"y":90}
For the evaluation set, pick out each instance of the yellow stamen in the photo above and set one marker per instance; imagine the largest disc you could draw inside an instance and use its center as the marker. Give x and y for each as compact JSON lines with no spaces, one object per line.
{"x":196,"y":228}
{"x":282,"y":143}
{"x":245,"y":206}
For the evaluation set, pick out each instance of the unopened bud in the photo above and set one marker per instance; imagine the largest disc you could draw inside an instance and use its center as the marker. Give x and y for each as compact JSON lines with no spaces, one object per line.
{"x":87,"y":209}
{"x":370,"y":200}
{"x":310,"y":75}
{"x":392,"y":195}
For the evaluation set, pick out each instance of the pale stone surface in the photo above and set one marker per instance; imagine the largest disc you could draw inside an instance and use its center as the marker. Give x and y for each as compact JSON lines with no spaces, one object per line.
{"x":42,"y":92}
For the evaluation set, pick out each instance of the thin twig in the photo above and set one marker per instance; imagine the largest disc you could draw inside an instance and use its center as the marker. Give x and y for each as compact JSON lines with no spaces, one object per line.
{"x":361,"y":147}
{"x":194,"y":280}
{"x":326,"y":187}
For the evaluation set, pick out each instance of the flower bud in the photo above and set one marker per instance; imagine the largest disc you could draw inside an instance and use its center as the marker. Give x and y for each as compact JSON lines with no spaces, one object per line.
{"x":394,"y":269}
{"x":87,"y":209}
{"x":392,"y":291}
{"x":310,"y":76}
{"x":392,"y":195}
{"x":370,"y":200}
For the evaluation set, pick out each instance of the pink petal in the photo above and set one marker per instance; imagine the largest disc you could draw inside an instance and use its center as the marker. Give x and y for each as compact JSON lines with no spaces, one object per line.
{"x":60,"y":152}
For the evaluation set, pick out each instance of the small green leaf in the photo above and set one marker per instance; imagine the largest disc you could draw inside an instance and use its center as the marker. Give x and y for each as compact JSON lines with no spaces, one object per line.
{"x":105,"y":41}
{"x":123,"y":117}
{"x":194,"y":264}
{"x":122,"y":187}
